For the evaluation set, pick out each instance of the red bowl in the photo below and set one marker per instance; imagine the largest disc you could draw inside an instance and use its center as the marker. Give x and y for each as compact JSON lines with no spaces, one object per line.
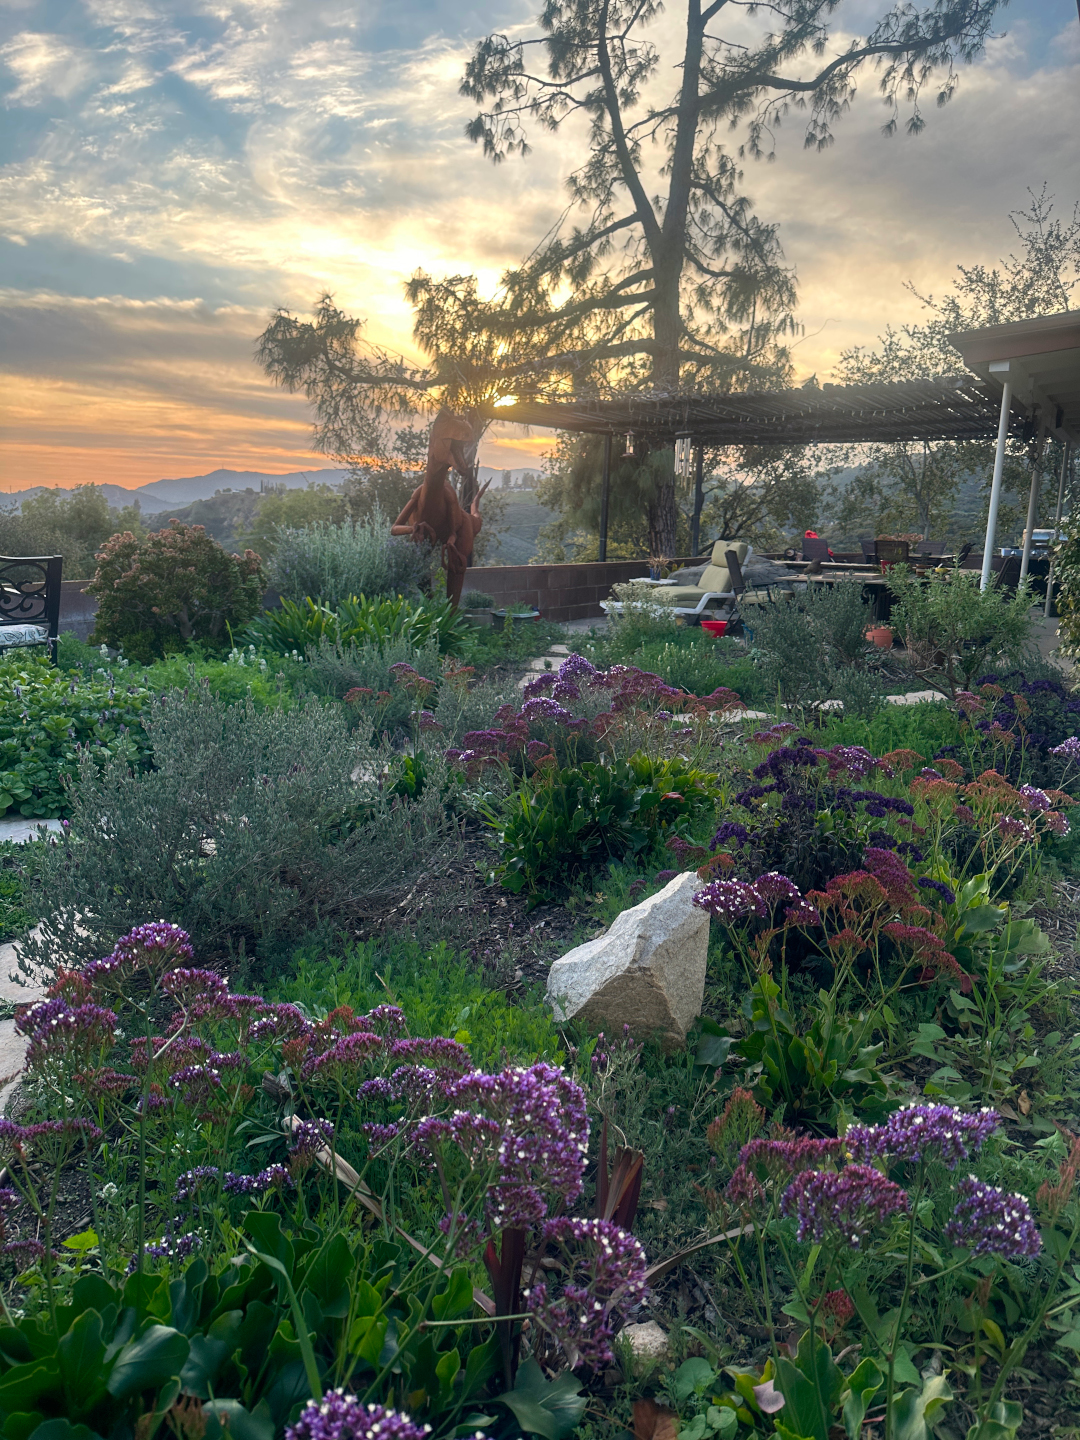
{"x":714,"y":627}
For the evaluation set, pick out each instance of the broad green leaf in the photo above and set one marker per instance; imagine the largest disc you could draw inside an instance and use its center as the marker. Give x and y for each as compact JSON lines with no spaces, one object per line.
{"x":914,"y":1411}
{"x":549,"y":1408}
{"x":1001,"y":1424}
{"x":25,"y":1384}
{"x":228,"y":1420}
{"x":159,"y":1354}
{"x":863,"y":1384}
{"x":693,"y":1374}
{"x":79,"y":1354}
{"x":64,"y":1430}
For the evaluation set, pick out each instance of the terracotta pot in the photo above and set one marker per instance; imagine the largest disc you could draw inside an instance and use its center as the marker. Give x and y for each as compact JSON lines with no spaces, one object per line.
{"x":881,"y":636}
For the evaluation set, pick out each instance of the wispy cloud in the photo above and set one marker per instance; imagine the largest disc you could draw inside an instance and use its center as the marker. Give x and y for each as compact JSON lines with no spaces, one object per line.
{"x":234,"y":156}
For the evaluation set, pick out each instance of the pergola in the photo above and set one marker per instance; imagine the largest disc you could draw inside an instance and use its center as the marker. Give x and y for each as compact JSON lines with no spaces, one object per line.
{"x":1024,"y":372}
{"x":954,"y":408}
{"x":1034,"y":366}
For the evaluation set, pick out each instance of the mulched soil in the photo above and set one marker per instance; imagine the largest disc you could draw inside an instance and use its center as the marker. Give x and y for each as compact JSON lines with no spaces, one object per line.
{"x":459,"y":903}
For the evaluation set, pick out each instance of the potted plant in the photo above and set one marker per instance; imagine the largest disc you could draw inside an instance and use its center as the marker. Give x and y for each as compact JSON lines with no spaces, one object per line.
{"x":477,"y":608}
{"x":880,"y":635}
{"x":515,"y":614}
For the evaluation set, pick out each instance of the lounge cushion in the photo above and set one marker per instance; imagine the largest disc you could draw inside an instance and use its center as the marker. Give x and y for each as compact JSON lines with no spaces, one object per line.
{"x":691,"y":594}
{"x":720,"y":549}
{"x":715,"y":577}
{"x":23,"y":635}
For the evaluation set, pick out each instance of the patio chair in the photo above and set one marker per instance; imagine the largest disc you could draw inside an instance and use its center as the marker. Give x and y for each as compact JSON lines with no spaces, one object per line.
{"x":1007,"y":575}
{"x":712,"y":590}
{"x":815,"y":549}
{"x":931,"y":547}
{"x":891,"y":552}
{"x":744,"y":594}
{"x":30,"y":601}
{"x":868,"y":545}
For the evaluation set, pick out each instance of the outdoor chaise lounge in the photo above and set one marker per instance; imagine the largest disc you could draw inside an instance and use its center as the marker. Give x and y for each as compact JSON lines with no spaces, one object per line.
{"x":713,"y":589}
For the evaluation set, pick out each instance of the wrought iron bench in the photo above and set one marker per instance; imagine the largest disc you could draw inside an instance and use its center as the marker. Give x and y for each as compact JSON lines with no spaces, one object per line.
{"x":30,"y":601}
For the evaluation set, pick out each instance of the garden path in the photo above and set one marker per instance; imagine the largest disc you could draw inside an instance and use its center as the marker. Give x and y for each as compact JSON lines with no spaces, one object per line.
{"x":12,"y":993}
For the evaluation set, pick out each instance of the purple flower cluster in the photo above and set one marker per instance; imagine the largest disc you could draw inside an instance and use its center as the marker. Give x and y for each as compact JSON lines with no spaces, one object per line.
{"x":845,"y":1206}
{"x":1036,"y":799}
{"x":732,"y":900}
{"x":527,"y":1128}
{"x":1068,"y":749}
{"x":1016,"y":831}
{"x":309,"y":1139}
{"x":576,"y":667}
{"x":53,"y":1137}
{"x":274,"y":1177}
{"x":923,"y":1132}
{"x":729,"y":831}
{"x":940,"y":888}
{"x":1056,"y":823}
{"x":341,"y":1416}
{"x":989,"y":1221}
{"x":852,"y":759}
{"x":59,"y":1031}
{"x":603,"y":1277}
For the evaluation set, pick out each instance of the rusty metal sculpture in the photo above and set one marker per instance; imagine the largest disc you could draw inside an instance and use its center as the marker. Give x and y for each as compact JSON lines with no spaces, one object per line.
{"x":434,"y":512}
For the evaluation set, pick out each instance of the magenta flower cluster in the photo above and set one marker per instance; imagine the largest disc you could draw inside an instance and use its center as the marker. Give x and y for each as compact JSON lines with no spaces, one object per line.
{"x":603,"y":1277}
{"x":923,"y":1132}
{"x":845,"y":1206}
{"x":989,"y":1221}
{"x":341,"y":1416}
{"x":526,"y":1128}
{"x":734,"y":900}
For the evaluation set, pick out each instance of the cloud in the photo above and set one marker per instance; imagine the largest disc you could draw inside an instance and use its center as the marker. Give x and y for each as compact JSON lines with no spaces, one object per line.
{"x":236,"y":156}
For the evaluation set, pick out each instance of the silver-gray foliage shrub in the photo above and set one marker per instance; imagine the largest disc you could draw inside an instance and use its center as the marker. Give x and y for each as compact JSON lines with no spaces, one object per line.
{"x":330,"y":562}
{"x":253,"y":828}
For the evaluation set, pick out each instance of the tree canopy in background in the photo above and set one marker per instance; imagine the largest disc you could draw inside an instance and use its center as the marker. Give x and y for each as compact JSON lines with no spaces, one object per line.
{"x":940,"y":488}
{"x":657,"y":271}
{"x":74,"y":525}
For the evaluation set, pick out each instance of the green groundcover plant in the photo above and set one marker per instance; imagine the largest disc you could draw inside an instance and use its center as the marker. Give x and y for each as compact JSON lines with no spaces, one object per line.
{"x":51,"y":722}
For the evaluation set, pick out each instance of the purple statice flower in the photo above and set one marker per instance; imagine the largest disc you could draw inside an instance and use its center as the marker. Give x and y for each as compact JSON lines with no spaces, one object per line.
{"x":989,"y":1221}
{"x":61,"y":1032}
{"x":450,"y":1054}
{"x":1036,"y":799}
{"x":187,"y":985}
{"x":847,"y":1205}
{"x":1056,"y":823}
{"x":728,"y":831}
{"x":762,"y":1159}
{"x":349,"y":1053}
{"x":776,"y":889}
{"x":171,"y":1247}
{"x":603,"y":1277}
{"x":152,"y":947}
{"x":879,"y":805}
{"x":576,"y":667}
{"x":190,"y":1182}
{"x":274,"y":1177}
{"x":29,"y":1251}
{"x":564,"y":691}
{"x":773,"y":733}
{"x":379,"y":1136}
{"x":544,"y":708}
{"x":52,"y":1138}
{"x":923,"y":1132}
{"x":198,"y":1084}
{"x":309,"y":1139}
{"x":1068,"y":749}
{"x":1017,"y":831}
{"x":853,"y":759}
{"x":341,"y":1416}
{"x":939,"y":887}
{"x":540,"y":686}
{"x":801,"y":913}
{"x":386,"y":1020}
{"x":929,"y":773}
{"x":529,"y":1131}
{"x":731,"y":900}
{"x":426,"y":720}
{"x":379,"y":1088}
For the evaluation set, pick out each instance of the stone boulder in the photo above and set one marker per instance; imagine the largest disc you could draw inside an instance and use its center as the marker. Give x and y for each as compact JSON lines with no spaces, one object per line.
{"x":647,"y":971}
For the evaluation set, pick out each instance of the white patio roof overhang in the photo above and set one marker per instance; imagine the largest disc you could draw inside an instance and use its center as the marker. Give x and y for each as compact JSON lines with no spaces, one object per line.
{"x":1035,"y":365}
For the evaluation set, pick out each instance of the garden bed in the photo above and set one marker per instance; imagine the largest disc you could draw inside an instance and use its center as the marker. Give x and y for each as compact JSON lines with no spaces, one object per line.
{"x":312,"y":1124}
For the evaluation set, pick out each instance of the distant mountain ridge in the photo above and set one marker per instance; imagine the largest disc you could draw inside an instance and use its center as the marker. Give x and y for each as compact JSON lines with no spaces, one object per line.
{"x":169,"y":494}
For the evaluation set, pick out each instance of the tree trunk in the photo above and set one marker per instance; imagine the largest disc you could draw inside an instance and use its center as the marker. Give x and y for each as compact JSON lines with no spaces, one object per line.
{"x":662,"y":517}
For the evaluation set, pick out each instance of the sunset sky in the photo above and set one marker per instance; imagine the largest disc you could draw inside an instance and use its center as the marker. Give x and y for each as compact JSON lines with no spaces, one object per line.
{"x":171,"y":170}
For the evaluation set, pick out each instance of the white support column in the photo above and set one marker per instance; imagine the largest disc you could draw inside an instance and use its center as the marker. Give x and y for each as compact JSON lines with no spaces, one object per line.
{"x":1033,"y":505}
{"x":1057,"y":525}
{"x":995,"y":488}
